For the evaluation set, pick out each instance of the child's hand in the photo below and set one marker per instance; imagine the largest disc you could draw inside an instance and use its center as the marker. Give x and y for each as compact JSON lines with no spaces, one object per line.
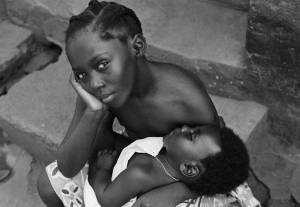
{"x":106,"y":159}
{"x":91,"y":101}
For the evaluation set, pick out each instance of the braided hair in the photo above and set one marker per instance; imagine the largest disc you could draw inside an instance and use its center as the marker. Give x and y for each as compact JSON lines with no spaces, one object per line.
{"x":111,"y":20}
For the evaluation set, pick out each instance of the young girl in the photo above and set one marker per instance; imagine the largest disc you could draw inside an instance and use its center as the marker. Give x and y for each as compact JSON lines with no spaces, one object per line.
{"x":106,"y":49}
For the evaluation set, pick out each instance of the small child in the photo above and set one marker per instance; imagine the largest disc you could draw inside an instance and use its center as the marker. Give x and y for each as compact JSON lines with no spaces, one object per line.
{"x":205,"y":161}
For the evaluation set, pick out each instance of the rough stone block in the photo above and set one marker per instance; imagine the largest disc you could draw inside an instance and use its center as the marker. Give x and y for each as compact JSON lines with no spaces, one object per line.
{"x":11,"y":39}
{"x":14,"y":46}
{"x":276,"y":172}
{"x":194,"y":29}
{"x":197,"y":30}
{"x":246,"y":118}
{"x":42,"y":103}
{"x":237,"y":4}
{"x":273,"y":32}
{"x":294,"y":184}
{"x":20,"y":190}
{"x":2,"y":10}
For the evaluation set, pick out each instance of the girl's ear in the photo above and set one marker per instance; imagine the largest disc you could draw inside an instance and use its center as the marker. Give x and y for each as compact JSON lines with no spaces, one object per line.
{"x":192,"y":170}
{"x":139,"y":45}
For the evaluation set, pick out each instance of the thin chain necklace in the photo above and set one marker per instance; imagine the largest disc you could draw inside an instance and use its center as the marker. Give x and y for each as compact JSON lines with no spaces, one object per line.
{"x":165,"y":170}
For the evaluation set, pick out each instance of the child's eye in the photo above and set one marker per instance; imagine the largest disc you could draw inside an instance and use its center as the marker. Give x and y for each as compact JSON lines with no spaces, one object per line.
{"x":102,"y":66}
{"x":194,"y":136}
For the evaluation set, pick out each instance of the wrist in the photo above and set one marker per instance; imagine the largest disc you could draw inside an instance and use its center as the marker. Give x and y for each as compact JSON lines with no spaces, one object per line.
{"x":92,"y":117}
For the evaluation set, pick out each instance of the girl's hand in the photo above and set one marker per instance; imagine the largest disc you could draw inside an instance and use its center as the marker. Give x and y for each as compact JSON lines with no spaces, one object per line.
{"x":91,"y":101}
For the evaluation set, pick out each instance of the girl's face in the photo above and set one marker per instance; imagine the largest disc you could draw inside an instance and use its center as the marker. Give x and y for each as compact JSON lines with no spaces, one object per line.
{"x":191,"y":144}
{"x":106,"y":69}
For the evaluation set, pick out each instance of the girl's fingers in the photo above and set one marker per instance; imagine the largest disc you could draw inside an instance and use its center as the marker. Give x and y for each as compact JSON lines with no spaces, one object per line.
{"x":91,"y":101}
{"x":72,"y":80}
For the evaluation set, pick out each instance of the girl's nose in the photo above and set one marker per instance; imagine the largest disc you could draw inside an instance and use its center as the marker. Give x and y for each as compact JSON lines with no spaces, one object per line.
{"x":96,"y":81}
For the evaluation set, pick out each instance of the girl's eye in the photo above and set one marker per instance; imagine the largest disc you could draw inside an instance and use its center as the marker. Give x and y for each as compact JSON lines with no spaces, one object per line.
{"x":80,"y":76}
{"x":102,"y":65}
{"x":188,"y":135}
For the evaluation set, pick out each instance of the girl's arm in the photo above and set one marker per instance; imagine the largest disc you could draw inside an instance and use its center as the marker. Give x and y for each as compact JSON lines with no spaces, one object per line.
{"x":79,"y":142}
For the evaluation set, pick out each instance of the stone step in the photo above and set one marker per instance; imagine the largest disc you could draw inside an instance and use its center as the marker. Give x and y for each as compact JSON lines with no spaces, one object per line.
{"x":196,"y":30}
{"x":37,"y":110}
{"x":20,"y":189}
{"x":15,"y":45}
{"x":199,"y":34}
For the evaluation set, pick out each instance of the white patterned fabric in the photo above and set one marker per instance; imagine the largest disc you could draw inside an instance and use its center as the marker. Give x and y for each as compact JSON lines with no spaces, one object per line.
{"x":70,"y":191}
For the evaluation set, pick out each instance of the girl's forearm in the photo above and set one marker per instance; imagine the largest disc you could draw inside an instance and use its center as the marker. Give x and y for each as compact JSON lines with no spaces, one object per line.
{"x":80,"y":107}
{"x":76,"y":150}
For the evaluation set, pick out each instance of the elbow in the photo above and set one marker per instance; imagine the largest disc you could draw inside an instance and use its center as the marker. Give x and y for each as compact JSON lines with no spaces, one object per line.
{"x":66,"y":169}
{"x":103,"y":201}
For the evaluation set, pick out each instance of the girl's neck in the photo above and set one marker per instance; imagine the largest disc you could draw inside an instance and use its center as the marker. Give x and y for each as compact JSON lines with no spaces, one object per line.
{"x":144,"y":79}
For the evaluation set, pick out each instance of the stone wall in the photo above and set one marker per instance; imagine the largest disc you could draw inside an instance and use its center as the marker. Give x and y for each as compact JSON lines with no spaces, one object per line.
{"x":237,"y":4}
{"x":47,"y":18}
{"x":273,"y":43}
{"x":2,"y":9}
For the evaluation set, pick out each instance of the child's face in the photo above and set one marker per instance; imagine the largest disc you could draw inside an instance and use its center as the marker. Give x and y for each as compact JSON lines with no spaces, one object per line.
{"x":103,"y":68}
{"x":192,"y":144}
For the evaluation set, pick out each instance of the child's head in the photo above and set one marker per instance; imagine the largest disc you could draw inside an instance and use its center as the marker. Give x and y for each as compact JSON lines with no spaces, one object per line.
{"x":210,"y":160}
{"x":103,"y":44}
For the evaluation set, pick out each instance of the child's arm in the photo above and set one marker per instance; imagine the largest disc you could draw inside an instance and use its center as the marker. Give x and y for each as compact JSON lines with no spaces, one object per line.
{"x":80,"y":140}
{"x":166,"y":196}
{"x":128,"y":184}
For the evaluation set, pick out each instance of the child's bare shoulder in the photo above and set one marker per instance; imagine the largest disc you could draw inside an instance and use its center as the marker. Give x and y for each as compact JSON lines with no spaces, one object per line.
{"x":141,"y":167}
{"x":141,"y":161}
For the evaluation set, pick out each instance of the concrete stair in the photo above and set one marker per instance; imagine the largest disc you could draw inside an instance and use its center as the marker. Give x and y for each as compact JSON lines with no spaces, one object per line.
{"x":15,"y":49}
{"x":16,"y":44}
{"x":197,"y":30}
{"x":200,"y":34}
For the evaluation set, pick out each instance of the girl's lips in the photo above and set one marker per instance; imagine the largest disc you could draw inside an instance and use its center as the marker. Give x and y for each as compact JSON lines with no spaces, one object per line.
{"x":107,"y":97}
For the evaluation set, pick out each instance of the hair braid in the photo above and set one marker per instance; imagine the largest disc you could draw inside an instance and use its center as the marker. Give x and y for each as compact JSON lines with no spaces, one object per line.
{"x":105,"y":17}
